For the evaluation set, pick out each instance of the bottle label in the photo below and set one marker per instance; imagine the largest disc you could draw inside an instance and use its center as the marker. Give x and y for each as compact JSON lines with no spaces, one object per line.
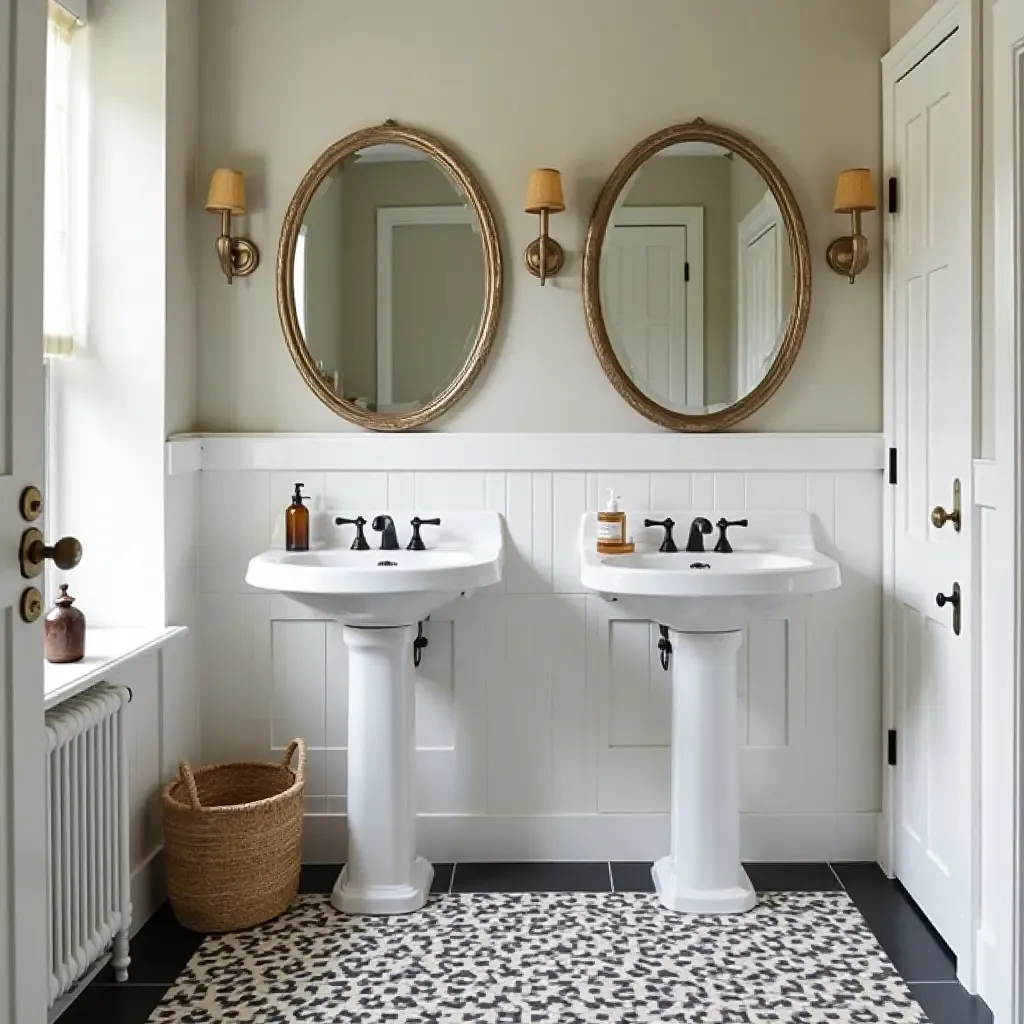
{"x":610,"y":533}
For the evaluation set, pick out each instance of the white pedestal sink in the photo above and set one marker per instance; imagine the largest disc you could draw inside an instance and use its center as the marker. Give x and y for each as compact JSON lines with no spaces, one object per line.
{"x":706,"y":600}
{"x":379,"y":597}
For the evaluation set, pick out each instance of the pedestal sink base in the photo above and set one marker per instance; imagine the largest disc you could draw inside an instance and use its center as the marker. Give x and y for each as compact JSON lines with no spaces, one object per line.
{"x":384,"y":899}
{"x":382,"y":874}
{"x":703,"y":872}
{"x":701,"y":901}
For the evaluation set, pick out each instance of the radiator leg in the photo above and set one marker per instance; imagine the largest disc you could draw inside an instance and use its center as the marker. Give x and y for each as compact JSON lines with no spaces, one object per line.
{"x":120,"y":958}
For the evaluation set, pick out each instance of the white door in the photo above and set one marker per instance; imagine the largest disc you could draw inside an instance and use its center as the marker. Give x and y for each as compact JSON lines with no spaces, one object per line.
{"x":759,"y":265}
{"x":645,"y":297}
{"x":931,"y":395}
{"x":22,"y":821}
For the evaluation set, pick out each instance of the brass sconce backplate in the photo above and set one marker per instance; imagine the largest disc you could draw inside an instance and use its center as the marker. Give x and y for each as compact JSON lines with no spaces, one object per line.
{"x":554,"y":257}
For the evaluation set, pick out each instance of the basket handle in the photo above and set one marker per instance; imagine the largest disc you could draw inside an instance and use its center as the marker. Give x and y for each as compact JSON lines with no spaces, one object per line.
{"x":185,"y":771}
{"x":300,"y":746}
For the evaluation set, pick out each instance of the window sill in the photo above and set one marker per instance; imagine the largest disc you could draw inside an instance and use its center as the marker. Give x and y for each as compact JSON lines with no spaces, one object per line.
{"x":104,"y":649}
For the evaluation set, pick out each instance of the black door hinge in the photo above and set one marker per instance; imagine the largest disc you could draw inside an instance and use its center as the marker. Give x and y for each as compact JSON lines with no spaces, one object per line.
{"x":894,"y":195}
{"x":892,"y":746}
{"x":686,"y":272}
{"x":892,"y":466}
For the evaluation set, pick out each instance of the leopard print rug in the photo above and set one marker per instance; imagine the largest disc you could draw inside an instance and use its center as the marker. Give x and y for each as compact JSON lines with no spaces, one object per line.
{"x":535,"y":958}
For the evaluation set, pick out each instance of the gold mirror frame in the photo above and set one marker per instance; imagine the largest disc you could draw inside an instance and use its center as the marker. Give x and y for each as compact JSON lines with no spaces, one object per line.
{"x":389,"y":132}
{"x":697,"y":131}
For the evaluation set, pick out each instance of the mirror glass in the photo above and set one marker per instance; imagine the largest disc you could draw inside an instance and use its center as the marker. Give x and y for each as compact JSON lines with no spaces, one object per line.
{"x":389,"y":278}
{"x":696,"y":277}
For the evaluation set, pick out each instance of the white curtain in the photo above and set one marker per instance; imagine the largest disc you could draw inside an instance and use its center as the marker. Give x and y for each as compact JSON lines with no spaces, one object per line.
{"x":58,"y":334}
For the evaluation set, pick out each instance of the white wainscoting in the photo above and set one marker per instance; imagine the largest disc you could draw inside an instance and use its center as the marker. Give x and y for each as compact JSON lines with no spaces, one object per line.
{"x":541,"y":713}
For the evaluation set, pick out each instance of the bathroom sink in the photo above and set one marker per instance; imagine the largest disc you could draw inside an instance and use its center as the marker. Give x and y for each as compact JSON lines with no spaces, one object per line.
{"x":774,"y":563}
{"x":380,"y":596}
{"x":388,"y":588}
{"x":702,"y":600}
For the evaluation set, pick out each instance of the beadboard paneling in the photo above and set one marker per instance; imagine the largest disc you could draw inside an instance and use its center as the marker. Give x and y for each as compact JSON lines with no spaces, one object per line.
{"x":542,"y":714}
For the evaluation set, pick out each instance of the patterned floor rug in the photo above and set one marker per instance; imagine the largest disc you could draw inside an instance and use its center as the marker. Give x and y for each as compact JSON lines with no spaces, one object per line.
{"x":535,"y":958}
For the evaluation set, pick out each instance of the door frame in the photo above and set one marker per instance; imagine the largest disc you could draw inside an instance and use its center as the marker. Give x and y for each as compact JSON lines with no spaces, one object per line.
{"x":389,"y":218}
{"x":943,"y":19}
{"x":1004,"y":472}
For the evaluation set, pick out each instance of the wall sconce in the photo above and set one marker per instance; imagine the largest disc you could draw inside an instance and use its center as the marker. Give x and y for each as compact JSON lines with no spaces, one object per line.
{"x":855,"y":194}
{"x":544,"y":256}
{"x":238,"y":256}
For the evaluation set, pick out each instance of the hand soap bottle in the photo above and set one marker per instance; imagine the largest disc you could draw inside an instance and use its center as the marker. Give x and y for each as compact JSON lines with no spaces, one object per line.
{"x":611,"y":527}
{"x":296,"y":522}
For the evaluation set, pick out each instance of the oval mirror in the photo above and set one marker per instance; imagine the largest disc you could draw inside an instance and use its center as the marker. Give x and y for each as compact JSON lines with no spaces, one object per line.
{"x":697,"y":280}
{"x":389,"y":278}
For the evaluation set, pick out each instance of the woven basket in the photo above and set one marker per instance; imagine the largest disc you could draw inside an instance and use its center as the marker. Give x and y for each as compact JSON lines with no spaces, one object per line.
{"x":233,"y":841}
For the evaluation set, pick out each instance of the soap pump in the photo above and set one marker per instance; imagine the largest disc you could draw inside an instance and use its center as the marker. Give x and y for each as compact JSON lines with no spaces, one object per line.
{"x":611,"y":527}
{"x":296,"y":522}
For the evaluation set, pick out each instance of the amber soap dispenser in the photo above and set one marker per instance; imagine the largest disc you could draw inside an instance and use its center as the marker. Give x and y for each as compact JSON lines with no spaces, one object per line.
{"x":296,"y":522}
{"x":611,"y":529}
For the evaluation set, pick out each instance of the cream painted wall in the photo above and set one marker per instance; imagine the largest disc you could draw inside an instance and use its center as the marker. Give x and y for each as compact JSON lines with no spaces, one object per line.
{"x":903,"y":15}
{"x":279,"y":82}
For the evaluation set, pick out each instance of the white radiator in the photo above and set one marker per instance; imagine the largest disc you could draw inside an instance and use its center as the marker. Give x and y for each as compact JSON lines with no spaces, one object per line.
{"x":89,"y":898}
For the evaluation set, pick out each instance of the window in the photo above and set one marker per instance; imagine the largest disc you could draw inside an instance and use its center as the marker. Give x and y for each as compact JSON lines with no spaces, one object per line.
{"x":58,"y":336}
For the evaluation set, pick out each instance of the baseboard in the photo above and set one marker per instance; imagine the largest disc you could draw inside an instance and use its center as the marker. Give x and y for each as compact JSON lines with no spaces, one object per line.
{"x":445,"y":838}
{"x":149,"y":888}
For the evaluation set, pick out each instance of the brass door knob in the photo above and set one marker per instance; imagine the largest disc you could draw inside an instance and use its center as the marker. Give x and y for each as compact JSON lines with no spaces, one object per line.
{"x":940,"y":516}
{"x":66,"y":553}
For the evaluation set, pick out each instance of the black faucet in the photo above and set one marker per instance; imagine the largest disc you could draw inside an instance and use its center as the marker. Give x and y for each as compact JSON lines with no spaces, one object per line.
{"x":668,"y":545}
{"x":359,"y":544}
{"x":416,"y":544}
{"x":385,"y":526}
{"x":695,"y":541}
{"x":723,"y":547}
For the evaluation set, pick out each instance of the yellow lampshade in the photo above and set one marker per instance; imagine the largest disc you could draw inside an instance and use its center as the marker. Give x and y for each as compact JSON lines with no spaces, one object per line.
{"x":227,"y":191}
{"x":855,"y":191}
{"x":544,"y":191}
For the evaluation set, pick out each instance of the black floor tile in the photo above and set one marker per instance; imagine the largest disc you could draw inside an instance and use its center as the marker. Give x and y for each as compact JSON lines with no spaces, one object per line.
{"x":792,"y":877}
{"x":320,"y":878}
{"x":442,"y":877}
{"x":632,"y":876}
{"x":114,"y":1004}
{"x":159,"y":952}
{"x":549,"y":876}
{"x":915,"y":949}
{"x":949,"y":1003}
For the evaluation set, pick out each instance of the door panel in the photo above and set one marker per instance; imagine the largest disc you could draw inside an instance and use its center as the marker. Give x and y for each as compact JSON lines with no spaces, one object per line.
{"x":645,"y":296}
{"x":22,"y":816}
{"x":933,"y":366}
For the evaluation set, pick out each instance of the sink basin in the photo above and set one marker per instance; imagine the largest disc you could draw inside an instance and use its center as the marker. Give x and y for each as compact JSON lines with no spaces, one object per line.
{"x":703,"y":601}
{"x":388,"y":588}
{"x":380,"y":597}
{"x":773,"y":564}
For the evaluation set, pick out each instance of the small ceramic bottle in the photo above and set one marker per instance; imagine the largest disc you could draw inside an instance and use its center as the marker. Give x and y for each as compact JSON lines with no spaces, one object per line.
{"x":296,"y":523}
{"x":64,"y":630}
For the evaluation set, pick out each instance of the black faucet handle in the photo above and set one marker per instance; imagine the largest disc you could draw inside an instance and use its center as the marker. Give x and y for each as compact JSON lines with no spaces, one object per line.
{"x":668,"y":545}
{"x":359,"y":544}
{"x":723,"y":547}
{"x":416,"y":544}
